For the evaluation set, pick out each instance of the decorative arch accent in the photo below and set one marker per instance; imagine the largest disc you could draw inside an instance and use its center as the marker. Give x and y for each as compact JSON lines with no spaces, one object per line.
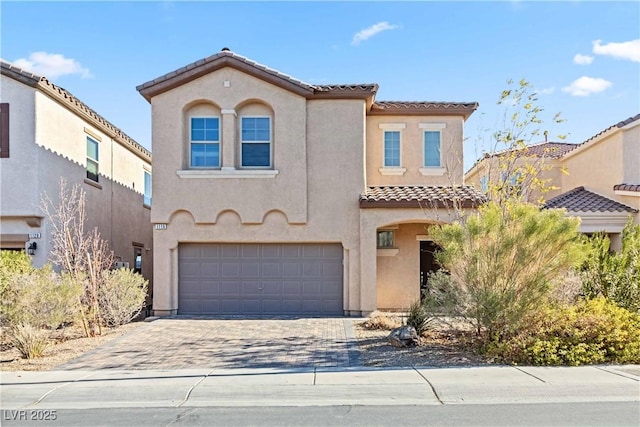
{"x":228,"y":217}
{"x":275,"y":216}
{"x":181,"y":213}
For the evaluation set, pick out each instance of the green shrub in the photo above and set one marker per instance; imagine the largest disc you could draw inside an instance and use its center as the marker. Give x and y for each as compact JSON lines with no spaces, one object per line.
{"x":41,"y":298}
{"x":505,"y":259}
{"x":29,"y":340}
{"x":419,"y":318}
{"x":443,"y":297}
{"x":121,"y":296}
{"x":614,"y":275}
{"x":11,"y":263}
{"x":591,"y":331}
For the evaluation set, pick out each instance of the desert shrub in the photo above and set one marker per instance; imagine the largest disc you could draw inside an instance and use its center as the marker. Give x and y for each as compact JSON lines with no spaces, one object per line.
{"x":41,"y":298}
{"x":614,"y":275}
{"x":29,"y":340}
{"x":443,"y":296}
{"x":381,"y":320}
{"x":122,"y":296}
{"x":11,"y":263}
{"x":591,"y":331}
{"x":504,"y":260}
{"x":567,"y":289}
{"x":419,"y":318}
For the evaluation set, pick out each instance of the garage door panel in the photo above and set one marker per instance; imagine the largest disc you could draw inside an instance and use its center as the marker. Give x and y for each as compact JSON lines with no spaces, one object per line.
{"x":271,"y":251}
{"x":230,"y":269}
{"x":271,"y":269}
{"x":260,"y":279}
{"x":231,"y":288}
{"x":208,"y":251}
{"x":250,"y":269}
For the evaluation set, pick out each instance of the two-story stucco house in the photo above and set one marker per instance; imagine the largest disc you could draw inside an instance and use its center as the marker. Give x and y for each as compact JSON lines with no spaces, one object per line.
{"x":48,"y":134}
{"x":597,"y":180}
{"x":275,"y":196}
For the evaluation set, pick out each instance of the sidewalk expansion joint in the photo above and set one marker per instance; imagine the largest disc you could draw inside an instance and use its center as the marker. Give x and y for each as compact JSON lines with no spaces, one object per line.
{"x":433,"y":389}
{"x":58,"y":388}
{"x":531,"y":375}
{"x":193,"y":387}
{"x":618,"y":374}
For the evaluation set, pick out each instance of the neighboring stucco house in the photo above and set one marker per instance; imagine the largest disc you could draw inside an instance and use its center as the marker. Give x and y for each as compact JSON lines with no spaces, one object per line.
{"x":601,"y":179}
{"x":48,"y":134}
{"x":275,"y":196}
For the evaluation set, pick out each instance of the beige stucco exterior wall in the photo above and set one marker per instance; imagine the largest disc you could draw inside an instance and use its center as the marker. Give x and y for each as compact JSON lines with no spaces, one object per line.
{"x":47,"y":144}
{"x":412,"y":150}
{"x":317,"y":151}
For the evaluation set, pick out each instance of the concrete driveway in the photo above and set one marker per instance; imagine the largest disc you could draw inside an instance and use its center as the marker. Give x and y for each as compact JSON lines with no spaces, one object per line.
{"x":187,"y":342}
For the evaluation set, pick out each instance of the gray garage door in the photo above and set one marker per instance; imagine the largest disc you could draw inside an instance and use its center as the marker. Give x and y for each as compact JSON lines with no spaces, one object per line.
{"x":225,"y":278}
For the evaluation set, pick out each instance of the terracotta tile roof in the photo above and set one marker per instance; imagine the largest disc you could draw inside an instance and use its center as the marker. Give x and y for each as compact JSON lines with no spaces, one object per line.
{"x":228,"y":58}
{"x":419,"y":196}
{"x":620,"y":124}
{"x":424,"y":107}
{"x":74,"y":104}
{"x":581,"y":200}
{"x":627,"y":187}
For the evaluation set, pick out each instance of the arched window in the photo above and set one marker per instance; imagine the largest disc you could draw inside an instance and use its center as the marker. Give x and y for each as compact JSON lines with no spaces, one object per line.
{"x":256,"y":136}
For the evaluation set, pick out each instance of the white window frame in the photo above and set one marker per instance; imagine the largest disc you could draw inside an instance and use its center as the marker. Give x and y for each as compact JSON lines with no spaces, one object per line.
{"x":219,"y":142}
{"x":144,"y":189}
{"x":96,"y":161}
{"x":432,"y":127}
{"x":270,"y":142}
{"x":392,"y":127}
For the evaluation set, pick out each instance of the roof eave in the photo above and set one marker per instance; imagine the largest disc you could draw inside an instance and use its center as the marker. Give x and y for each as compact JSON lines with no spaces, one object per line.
{"x":19,"y":75}
{"x":198,"y":69}
{"x":457,"y":111}
{"x":422,"y":204}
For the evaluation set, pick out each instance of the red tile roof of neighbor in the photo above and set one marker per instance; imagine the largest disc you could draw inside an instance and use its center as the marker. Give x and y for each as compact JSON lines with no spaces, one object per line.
{"x":582,"y":200}
{"x":69,"y":100}
{"x":627,"y":187}
{"x":425,"y":196}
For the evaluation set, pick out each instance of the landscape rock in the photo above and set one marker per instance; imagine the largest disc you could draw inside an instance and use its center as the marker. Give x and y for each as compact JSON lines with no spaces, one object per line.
{"x":404,"y":336}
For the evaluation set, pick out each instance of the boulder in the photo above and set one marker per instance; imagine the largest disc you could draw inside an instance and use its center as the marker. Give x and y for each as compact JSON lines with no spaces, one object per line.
{"x":404,"y":336}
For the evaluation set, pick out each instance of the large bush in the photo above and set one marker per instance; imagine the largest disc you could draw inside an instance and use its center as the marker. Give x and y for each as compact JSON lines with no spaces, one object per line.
{"x":505,"y":260}
{"x":40,"y":298}
{"x":589,"y":332}
{"x":614,"y":275}
{"x":121,"y":296}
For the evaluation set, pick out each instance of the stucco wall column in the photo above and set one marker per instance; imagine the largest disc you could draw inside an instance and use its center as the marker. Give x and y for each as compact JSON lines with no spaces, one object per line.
{"x":165,"y":273}
{"x":368,"y":267}
{"x":228,"y":134}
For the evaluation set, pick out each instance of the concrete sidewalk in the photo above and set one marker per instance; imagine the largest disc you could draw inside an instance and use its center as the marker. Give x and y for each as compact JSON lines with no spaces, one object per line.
{"x":317,"y":387}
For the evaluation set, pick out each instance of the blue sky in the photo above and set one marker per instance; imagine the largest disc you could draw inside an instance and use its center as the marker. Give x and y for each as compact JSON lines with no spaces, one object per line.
{"x":583,"y":57}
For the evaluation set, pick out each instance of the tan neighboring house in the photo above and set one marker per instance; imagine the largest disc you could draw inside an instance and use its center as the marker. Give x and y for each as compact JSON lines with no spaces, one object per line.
{"x":275,"y":196}
{"x":48,"y":134}
{"x":601,"y":185}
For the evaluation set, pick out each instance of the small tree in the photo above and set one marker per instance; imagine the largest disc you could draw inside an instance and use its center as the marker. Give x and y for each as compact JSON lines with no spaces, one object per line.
{"x":505,"y":259}
{"x":83,"y":255}
{"x":513,"y":173}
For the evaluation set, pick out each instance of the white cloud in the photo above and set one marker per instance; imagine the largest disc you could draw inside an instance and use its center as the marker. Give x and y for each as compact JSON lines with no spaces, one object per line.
{"x":625,"y":50}
{"x":367,"y":33}
{"x":547,"y":91}
{"x":585,"y":86}
{"x":582,"y":59}
{"x":52,"y":65}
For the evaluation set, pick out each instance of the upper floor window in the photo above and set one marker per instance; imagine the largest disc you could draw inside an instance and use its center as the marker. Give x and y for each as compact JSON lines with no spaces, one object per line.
{"x":147,"y":188}
{"x":484,"y":183}
{"x":92,"y":159}
{"x":391,"y":148}
{"x":205,"y":142}
{"x":4,"y":130}
{"x":432,"y":148}
{"x":255,"y":144}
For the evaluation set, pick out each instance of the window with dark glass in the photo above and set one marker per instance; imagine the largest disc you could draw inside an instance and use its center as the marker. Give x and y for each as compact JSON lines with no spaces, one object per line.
{"x":4,"y":130}
{"x":256,"y":142}
{"x":92,"y":159}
